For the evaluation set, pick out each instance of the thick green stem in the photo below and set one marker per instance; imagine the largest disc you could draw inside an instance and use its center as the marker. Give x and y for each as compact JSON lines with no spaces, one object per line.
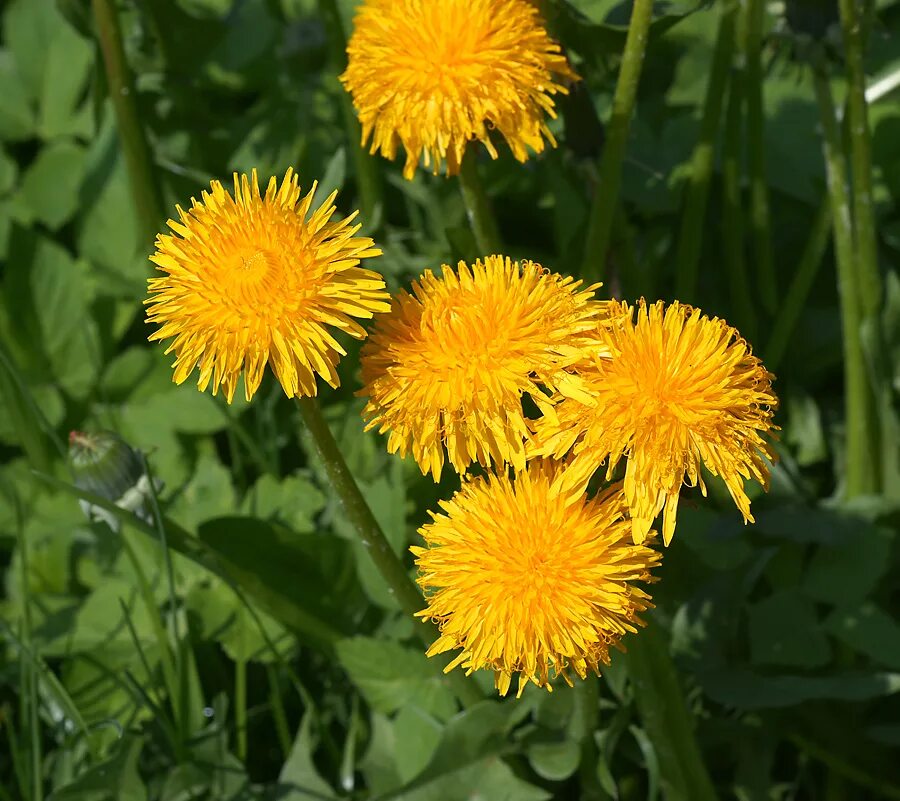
{"x":373,"y":539}
{"x":691,"y":236}
{"x":478,"y":207}
{"x":368,"y":175}
{"x":606,"y":193}
{"x":666,"y":718}
{"x":802,"y":282}
{"x":144,"y":185}
{"x":866,"y":250}
{"x":862,"y":441}
{"x":760,"y":224}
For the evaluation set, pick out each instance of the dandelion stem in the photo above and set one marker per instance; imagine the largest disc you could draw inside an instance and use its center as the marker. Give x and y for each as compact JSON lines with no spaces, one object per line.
{"x":691,"y":237}
{"x":144,"y":185}
{"x":478,"y":207}
{"x":862,"y":442}
{"x":866,"y":246}
{"x":666,"y":718}
{"x":760,"y":225}
{"x":606,"y":193}
{"x":373,"y":539}
{"x":802,"y":282}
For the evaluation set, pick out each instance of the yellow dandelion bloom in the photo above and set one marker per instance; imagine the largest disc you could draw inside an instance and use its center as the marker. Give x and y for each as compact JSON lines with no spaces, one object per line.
{"x":434,"y":75}
{"x":528,"y":582}
{"x":451,"y":362}
{"x":679,"y":389}
{"x":252,"y":279}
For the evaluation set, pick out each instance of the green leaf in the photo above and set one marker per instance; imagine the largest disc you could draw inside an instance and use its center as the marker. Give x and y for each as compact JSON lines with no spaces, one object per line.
{"x":8,"y":172}
{"x":745,"y":689}
{"x":245,"y":635}
{"x":870,"y":631}
{"x":391,"y":676}
{"x":555,"y":761}
{"x":115,"y":779}
{"x":784,"y":630}
{"x":846,"y":573}
{"x":67,"y":64}
{"x":51,"y":184}
{"x":208,"y":494}
{"x":299,"y":780}
{"x":417,"y":737}
{"x":293,"y":501}
{"x":17,"y":118}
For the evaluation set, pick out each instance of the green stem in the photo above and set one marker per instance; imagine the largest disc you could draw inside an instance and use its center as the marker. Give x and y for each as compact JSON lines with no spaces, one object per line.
{"x":240,"y":707}
{"x":609,"y":176}
{"x":797,"y":294}
{"x":691,"y":237}
{"x":373,"y":539}
{"x":862,"y":441}
{"x":733,"y":206}
{"x":281,"y":725}
{"x":368,"y":175}
{"x":666,"y":718}
{"x":478,"y":207}
{"x":866,"y":249}
{"x":760,"y":224}
{"x":144,"y":185}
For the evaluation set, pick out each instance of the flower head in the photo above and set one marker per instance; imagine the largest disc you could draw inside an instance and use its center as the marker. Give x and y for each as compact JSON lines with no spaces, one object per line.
{"x":434,"y":75}
{"x":451,"y":362}
{"x":678,"y":389}
{"x":528,"y":582}
{"x":252,"y":279}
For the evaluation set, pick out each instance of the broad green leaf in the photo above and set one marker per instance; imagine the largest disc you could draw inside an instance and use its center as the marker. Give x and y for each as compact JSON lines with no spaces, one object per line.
{"x":391,"y":676}
{"x":845,"y":573}
{"x":50,"y":185}
{"x":784,"y":630}
{"x":417,"y":736}
{"x":8,"y":172}
{"x":555,"y":761}
{"x":115,"y":779}
{"x":745,"y":689}
{"x":245,"y":635}
{"x":299,"y":780}
{"x":294,"y":501}
{"x":67,"y":64}
{"x":208,"y":494}
{"x":16,"y":112}
{"x":868,"y":630}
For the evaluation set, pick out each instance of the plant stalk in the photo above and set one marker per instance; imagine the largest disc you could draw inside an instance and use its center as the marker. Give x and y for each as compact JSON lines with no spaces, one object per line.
{"x":760,"y":224}
{"x":478,"y":206}
{"x":862,"y":439}
{"x":373,"y":539}
{"x":144,"y":185}
{"x":240,"y":707}
{"x":691,"y":237}
{"x":866,"y":245}
{"x":609,"y":176}
{"x":666,"y":718}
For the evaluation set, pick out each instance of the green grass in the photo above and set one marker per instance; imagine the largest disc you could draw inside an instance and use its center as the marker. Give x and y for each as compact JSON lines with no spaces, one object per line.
{"x":235,"y":640}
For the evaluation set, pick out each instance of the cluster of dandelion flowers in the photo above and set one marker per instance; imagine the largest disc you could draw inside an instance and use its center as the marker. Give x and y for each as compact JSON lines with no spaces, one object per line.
{"x":451,"y":362}
{"x":433,"y":76}
{"x":255,"y":279}
{"x":674,"y":390}
{"x":525,"y":581}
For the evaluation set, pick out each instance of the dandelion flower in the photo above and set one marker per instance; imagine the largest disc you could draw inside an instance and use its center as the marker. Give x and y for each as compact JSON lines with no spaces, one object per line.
{"x":528,"y":582}
{"x":679,"y":389}
{"x":451,"y":362}
{"x":434,"y":75}
{"x":252,"y":279}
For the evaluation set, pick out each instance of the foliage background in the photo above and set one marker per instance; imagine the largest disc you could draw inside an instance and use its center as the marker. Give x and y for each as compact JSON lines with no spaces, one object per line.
{"x":294,"y":673}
